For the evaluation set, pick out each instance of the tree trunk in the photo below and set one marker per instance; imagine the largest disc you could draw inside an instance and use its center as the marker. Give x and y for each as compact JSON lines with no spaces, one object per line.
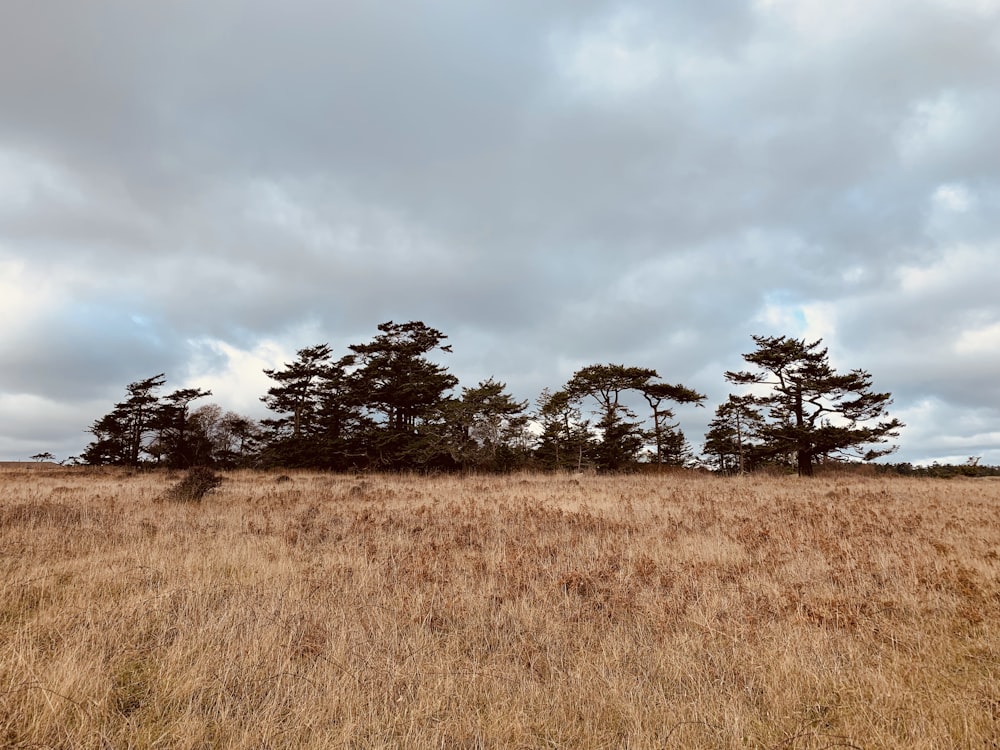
{"x":805,"y":463}
{"x":803,"y":455}
{"x":739,"y":440}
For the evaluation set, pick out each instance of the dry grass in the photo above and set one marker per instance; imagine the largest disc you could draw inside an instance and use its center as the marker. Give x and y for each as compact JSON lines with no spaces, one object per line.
{"x":538,"y":612}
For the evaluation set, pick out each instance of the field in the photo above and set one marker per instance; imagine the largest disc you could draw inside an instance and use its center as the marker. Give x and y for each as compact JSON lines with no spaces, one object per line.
{"x":530,"y":611}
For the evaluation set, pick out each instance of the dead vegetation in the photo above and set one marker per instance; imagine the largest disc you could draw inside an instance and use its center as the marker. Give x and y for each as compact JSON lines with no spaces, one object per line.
{"x":525,"y":611}
{"x":197,"y":483}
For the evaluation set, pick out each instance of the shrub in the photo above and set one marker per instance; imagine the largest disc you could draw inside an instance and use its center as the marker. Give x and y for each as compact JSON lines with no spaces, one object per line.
{"x":193,"y":487}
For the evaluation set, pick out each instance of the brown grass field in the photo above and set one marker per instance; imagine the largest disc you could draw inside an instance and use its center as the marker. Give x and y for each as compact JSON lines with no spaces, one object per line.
{"x":325,"y":611}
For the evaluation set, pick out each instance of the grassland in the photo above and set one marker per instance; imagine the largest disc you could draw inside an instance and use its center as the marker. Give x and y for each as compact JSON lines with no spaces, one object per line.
{"x":324,"y":611}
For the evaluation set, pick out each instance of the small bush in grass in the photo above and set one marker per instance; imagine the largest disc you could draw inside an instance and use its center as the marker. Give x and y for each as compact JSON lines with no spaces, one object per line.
{"x":193,"y":487}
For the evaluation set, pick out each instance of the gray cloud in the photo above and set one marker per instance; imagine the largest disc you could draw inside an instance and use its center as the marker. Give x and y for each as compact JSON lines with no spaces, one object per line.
{"x":194,"y":187}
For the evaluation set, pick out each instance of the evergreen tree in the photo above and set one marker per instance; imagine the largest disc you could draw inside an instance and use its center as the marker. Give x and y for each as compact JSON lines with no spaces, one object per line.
{"x":672,"y":447}
{"x":297,"y":393}
{"x":565,"y":442}
{"x":812,"y":411}
{"x":179,"y":443}
{"x":403,"y":395}
{"x":315,"y":400}
{"x":122,"y":436}
{"x":490,"y":427}
{"x":732,"y":435}
{"x":621,"y":436}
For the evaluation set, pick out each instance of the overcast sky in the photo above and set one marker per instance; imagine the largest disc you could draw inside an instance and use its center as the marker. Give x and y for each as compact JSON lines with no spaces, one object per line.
{"x":202,"y":188}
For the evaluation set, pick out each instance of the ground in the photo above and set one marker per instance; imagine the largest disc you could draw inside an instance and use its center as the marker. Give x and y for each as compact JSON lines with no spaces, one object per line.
{"x":532,"y":611}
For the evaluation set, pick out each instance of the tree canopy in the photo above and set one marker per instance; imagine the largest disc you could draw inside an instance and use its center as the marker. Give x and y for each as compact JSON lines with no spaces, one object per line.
{"x":162,"y":430}
{"x":732,"y":439}
{"x":621,"y":434}
{"x":812,"y":411}
{"x":390,"y":403}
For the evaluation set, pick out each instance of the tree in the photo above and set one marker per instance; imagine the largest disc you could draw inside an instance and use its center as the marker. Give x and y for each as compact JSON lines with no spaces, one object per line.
{"x":566,"y":441}
{"x":812,"y":410}
{"x":491,"y":426}
{"x":674,"y":448}
{"x":339,"y":422}
{"x":402,"y":392}
{"x":297,"y":393}
{"x":621,"y":436}
{"x":230,"y":439}
{"x":315,"y":399}
{"x":123,"y":435}
{"x":46,"y":456}
{"x":177,"y":443}
{"x":671,"y":446}
{"x":732,"y":434}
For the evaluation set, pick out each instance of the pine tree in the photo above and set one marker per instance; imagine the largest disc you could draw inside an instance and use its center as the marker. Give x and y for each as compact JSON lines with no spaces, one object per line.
{"x":812,"y":411}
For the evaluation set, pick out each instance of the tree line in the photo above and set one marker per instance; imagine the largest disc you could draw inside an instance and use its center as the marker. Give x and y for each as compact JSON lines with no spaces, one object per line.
{"x":387,"y":405}
{"x":970,"y":469}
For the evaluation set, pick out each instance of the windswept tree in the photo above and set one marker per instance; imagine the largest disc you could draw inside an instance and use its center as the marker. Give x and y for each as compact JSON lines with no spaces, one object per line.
{"x":812,"y":411}
{"x":402,"y":391}
{"x":149,"y":428}
{"x":122,"y":436}
{"x":178,"y":443}
{"x":297,"y":391}
{"x":671,"y":446}
{"x":622,"y":436}
{"x":313,"y":400}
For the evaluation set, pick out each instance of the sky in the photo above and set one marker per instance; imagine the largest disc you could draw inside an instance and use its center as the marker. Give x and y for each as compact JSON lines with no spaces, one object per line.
{"x":203,"y":188}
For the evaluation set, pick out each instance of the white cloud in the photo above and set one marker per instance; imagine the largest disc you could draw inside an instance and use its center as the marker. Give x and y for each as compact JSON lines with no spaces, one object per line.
{"x":982,"y":8}
{"x":24,"y":293}
{"x":821,"y":323}
{"x":805,"y":320}
{"x":822,"y":22}
{"x":954,"y":214}
{"x":27,"y":181}
{"x":778,"y":315}
{"x":933,"y":127}
{"x":953,"y":197}
{"x":854,"y":274}
{"x":985,"y":340}
{"x":970,"y":268}
{"x":617,"y":58}
{"x":235,"y":375}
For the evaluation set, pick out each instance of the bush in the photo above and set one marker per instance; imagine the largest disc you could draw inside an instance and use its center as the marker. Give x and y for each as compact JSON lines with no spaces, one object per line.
{"x":193,"y":487}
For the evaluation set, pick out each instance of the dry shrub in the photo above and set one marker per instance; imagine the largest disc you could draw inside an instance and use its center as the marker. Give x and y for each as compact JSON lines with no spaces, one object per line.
{"x":197,"y":483}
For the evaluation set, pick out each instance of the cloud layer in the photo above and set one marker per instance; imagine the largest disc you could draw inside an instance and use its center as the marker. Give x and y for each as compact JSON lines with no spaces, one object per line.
{"x":202,"y":188}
